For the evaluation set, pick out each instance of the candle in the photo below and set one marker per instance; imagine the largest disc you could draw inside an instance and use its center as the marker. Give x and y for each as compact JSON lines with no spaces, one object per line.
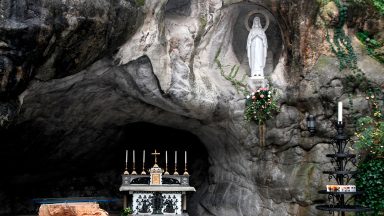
{"x":185,"y":158}
{"x":133,"y":156}
{"x":340,"y":112}
{"x":143,"y":156}
{"x":166,"y":157}
{"x":126,"y":156}
{"x":175,"y":157}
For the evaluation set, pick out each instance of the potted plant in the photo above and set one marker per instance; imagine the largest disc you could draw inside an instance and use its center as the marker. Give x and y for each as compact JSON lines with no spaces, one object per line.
{"x":127,"y":212}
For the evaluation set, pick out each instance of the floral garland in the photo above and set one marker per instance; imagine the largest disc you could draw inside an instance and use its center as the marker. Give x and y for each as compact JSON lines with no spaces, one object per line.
{"x":260,"y":106}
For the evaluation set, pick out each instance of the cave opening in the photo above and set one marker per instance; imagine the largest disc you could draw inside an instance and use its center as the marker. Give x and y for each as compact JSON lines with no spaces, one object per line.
{"x":150,"y":137}
{"x":34,"y":173}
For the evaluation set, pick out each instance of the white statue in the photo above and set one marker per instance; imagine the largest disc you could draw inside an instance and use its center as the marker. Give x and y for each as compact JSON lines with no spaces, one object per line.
{"x":257,"y":48}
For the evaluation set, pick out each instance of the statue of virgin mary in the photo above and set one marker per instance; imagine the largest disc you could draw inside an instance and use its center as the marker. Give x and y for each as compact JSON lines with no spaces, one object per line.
{"x":257,"y":48}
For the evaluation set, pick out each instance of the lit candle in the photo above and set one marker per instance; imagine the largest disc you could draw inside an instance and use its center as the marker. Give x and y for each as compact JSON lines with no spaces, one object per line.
{"x":175,"y":157}
{"x":126,"y":156}
{"x":185,"y":158}
{"x":133,"y":153}
{"x":143,"y":156}
{"x":166,"y":157}
{"x":340,"y":112}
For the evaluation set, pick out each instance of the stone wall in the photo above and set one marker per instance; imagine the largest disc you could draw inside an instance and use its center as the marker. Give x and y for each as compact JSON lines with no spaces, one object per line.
{"x":164,"y":73}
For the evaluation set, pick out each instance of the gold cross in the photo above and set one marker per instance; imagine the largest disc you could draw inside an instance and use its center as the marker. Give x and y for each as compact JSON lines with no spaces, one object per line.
{"x":156,"y":154}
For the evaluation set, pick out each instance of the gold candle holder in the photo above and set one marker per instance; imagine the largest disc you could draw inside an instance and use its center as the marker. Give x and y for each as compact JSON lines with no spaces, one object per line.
{"x":133,"y":169}
{"x":143,"y":172}
{"x":166,"y":169}
{"x":175,"y":173}
{"x":185,"y":170}
{"x":126,"y":169}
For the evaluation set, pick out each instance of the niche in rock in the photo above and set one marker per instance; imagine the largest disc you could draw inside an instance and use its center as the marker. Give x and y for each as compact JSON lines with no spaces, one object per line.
{"x":245,"y":12}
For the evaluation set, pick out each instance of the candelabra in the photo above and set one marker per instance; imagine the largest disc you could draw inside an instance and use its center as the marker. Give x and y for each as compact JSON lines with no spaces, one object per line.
{"x":342,"y":174}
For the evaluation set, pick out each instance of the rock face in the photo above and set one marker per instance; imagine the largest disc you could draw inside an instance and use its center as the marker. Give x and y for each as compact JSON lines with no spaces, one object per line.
{"x":110,"y":64}
{"x":44,"y":40}
{"x":71,"y":209}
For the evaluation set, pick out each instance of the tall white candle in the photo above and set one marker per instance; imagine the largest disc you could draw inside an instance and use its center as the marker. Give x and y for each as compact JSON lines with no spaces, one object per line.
{"x":133,"y":154}
{"x":126,"y":156}
{"x":175,"y":157}
{"x":340,"y":112}
{"x":185,"y":158}
{"x":166,"y":157}
{"x":143,"y":156}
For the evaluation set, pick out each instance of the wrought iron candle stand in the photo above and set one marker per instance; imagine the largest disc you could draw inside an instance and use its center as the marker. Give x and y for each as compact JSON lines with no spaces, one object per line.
{"x":342,"y":174}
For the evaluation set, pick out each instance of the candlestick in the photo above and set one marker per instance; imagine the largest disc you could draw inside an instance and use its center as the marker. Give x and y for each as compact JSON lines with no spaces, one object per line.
{"x":175,"y":173}
{"x":166,"y":163}
{"x":126,"y":163}
{"x":185,"y":163}
{"x":143,"y":156}
{"x":133,"y":153}
{"x":133,"y":163}
{"x":340,"y":112}
{"x":143,"y":172}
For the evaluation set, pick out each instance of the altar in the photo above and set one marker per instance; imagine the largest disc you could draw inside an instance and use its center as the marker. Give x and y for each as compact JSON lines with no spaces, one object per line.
{"x":157,"y":192}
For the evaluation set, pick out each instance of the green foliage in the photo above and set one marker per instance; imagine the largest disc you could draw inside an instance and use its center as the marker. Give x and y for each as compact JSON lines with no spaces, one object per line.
{"x":370,"y":142}
{"x":370,"y":134}
{"x":260,"y":106}
{"x":371,"y":181}
{"x":379,"y":5}
{"x":357,"y":2}
{"x":370,"y":129}
{"x":372,"y":46}
{"x":365,"y":38}
{"x":127,"y":211}
{"x":140,"y":2}
{"x":239,"y":85}
{"x":203,"y":22}
{"x":341,"y":44}
{"x":351,"y":83}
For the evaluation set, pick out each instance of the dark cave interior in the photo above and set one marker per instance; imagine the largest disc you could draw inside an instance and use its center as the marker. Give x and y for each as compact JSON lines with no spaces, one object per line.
{"x":29,"y":172}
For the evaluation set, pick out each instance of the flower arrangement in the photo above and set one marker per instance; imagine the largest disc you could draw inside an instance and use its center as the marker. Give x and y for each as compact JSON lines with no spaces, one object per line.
{"x":260,"y":105}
